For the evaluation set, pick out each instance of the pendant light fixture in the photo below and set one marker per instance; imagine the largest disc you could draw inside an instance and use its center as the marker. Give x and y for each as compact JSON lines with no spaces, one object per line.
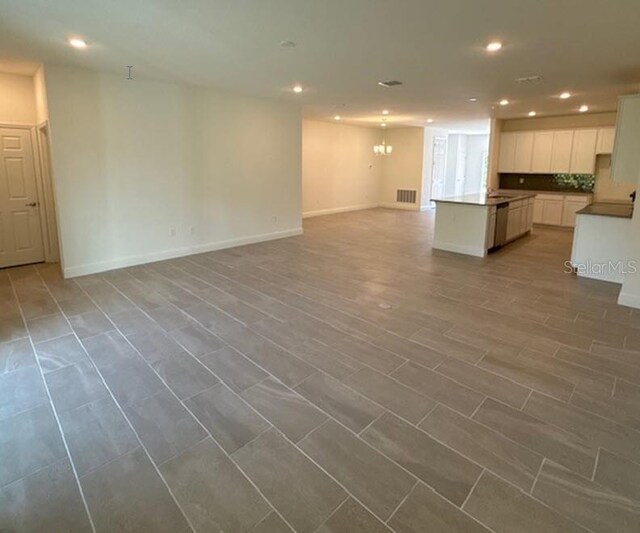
{"x":383,"y":148}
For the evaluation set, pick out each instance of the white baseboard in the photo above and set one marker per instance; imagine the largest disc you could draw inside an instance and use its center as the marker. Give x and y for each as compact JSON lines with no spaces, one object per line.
{"x":630,"y":300}
{"x":427,"y":207}
{"x":466,"y":250}
{"x":397,"y":205}
{"x":122,"y":262}
{"x":334,"y":210}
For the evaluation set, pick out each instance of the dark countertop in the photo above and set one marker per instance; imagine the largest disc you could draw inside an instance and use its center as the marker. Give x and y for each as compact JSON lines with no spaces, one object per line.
{"x":608,"y":210}
{"x":494,"y":198}
{"x":572,"y":193}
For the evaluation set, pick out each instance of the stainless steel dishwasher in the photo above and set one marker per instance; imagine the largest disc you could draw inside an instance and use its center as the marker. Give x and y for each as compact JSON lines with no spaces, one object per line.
{"x":502,"y":219}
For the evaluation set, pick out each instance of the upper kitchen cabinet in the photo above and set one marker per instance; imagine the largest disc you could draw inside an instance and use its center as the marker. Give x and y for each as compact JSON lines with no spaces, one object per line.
{"x":583,"y":152}
{"x":561,"y":151}
{"x":604,"y":144}
{"x":524,"y":151}
{"x":625,"y":159}
{"x":516,"y":150}
{"x":542,"y":148}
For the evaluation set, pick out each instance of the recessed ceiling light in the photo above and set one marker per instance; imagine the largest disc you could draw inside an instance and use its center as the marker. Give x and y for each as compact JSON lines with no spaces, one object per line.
{"x":287,"y":44}
{"x":565,"y":95}
{"x":532,"y":113}
{"x":297,"y":88}
{"x":494,"y":46}
{"x":384,"y":125}
{"x":389,"y":83}
{"x":429,"y":120}
{"x":385,"y":111}
{"x":78,"y":43}
{"x":473,"y":99}
{"x":584,"y":108}
{"x":504,"y":101}
{"x":337,"y":117}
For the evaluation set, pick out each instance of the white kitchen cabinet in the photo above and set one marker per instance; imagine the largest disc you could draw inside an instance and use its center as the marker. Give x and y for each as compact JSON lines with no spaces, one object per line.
{"x":625,"y":159}
{"x":507,"y":157}
{"x":542,"y":149}
{"x":524,"y":152}
{"x":583,"y":151}
{"x":538,"y":205}
{"x":604,"y":144}
{"x":571,"y":205}
{"x":558,"y":209}
{"x":561,"y":151}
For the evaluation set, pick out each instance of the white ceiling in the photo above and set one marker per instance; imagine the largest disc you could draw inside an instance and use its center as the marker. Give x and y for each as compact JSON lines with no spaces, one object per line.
{"x":436,"y":47}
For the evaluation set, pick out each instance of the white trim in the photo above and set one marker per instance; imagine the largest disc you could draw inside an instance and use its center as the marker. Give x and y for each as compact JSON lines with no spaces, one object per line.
{"x":93,"y":268}
{"x":397,"y":205}
{"x":630,"y":300}
{"x":334,"y":210}
{"x":459,"y":249}
{"x":427,"y":207}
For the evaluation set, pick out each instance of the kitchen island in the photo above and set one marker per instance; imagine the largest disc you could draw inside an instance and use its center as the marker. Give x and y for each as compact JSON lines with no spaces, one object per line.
{"x":474,"y":224}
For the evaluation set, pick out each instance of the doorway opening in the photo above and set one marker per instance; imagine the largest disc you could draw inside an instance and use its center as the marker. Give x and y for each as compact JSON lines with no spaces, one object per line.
{"x":28,"y":232}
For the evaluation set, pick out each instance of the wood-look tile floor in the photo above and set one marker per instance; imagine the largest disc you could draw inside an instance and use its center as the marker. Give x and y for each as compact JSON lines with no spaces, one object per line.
{"x":351,"y":379}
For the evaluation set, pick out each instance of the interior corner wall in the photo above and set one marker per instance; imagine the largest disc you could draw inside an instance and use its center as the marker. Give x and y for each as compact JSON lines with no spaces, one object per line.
{"x":339,"y":169}
{"x":17,"y":100}
{"x":40,"y":94}
{"x":146,"y":170}
{"x":403,"y":169}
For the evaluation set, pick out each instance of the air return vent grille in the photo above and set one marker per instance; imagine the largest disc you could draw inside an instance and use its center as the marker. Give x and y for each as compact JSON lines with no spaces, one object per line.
{"x":406,"y":196}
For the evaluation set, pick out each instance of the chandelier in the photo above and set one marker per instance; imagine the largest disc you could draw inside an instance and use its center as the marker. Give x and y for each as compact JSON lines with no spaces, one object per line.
{"x":383,"y":148}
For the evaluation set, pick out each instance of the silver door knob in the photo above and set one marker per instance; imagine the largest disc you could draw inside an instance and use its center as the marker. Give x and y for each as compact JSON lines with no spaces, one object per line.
{"x":32,"y":204}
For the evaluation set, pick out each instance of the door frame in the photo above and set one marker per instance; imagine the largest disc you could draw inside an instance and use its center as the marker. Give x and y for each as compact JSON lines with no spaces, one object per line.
{"x":433,"y":148}
{"x":44,"y":187}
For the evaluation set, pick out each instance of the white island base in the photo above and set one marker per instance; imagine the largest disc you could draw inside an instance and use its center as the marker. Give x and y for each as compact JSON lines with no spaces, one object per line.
{"x":467,"y":224}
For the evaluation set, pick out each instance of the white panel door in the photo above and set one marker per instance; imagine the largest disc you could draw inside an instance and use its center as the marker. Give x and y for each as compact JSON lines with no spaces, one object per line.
{"x":561,"y":151}
{"x":20,"y":232}
{"x":542,"y":146}
{"x":583,"y":153}
{"x":524,"y":152}
{"x":506,"y":160}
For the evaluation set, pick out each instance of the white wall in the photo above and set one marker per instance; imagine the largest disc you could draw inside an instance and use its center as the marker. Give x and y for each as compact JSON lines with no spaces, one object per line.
{"x":17,"y":99}
{"x":477,"y":146}
{"x":606,"y":189}
{"x":339,"y":169}
{"x":403,"y":169}
{"x":133,"y":160}
{"x":40,"y":95}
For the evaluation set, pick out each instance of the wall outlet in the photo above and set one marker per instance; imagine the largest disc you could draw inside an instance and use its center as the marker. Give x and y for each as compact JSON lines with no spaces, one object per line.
{"x":192,"y":230}
{"x":275,"y":219}
{"x":521,"y":180}
{"x":173,"y":232}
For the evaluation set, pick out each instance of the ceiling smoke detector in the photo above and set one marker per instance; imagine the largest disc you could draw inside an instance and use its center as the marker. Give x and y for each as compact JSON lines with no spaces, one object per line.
{"x":287,"y":44}
{"x":389,"y":83}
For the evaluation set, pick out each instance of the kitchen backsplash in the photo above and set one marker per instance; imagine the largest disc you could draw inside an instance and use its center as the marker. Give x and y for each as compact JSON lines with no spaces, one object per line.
{"x":531,"y":182}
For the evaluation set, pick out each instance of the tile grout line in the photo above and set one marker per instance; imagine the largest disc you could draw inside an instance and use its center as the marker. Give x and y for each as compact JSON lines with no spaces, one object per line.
{"x":122,"y":412}
{"x":406,"y":421}
{"x":294,"y":444}
{"x":54,"y":411}
{"x":229,"y":456}
{"x":406,"y":497}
